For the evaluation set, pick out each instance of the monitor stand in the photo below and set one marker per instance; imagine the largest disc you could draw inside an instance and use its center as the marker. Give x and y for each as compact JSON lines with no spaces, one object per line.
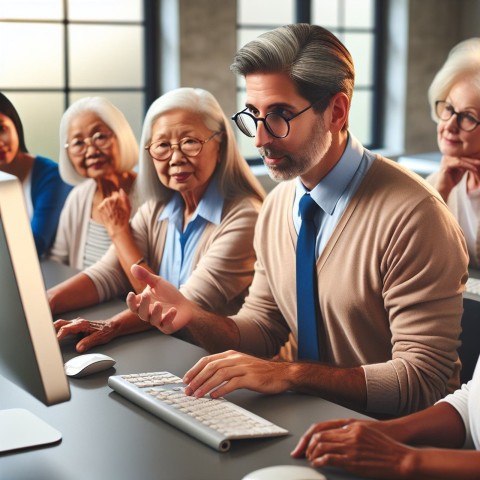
{"x":20,"y":428}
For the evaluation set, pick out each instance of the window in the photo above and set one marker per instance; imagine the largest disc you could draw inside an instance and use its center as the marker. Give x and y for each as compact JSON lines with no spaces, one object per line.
{"x":56,"y":51}
{"x":355,"y":23}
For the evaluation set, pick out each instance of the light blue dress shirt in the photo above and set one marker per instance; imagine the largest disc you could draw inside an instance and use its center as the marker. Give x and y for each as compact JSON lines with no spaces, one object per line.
{"x":181,"y":245}
{"x":334,"y":191}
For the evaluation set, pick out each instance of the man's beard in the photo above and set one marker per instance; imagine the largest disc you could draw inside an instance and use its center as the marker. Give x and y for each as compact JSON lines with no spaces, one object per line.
{"x":300,"y":163}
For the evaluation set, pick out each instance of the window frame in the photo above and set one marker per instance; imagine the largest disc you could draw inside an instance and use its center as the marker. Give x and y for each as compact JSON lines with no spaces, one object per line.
{"x":151,"y":72}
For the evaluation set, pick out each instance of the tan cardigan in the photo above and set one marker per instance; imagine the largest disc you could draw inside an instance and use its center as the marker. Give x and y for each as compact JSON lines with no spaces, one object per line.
{"x":222,"y":268}
{"x":390,"y":283}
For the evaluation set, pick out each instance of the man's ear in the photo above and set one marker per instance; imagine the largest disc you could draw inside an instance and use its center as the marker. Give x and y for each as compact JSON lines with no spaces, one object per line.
{"x":339,"y":108}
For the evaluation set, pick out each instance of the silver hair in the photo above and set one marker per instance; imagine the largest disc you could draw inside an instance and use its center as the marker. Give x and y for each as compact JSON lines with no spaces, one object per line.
{"x":235,"y":176}
{"x":463,"y":62}
{"x":114,"y":119}
{"x":315,"y":59}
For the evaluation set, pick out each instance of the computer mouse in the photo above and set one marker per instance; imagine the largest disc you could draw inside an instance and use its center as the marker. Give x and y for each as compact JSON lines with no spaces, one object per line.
{"x":86,"y":364}
{"x":285,"y":472}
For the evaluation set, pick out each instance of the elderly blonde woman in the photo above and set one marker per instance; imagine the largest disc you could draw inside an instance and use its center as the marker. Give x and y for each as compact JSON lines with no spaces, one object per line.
{"x":195,"y":228}
{"x":98,"y":152}
{"x":454,"y":97}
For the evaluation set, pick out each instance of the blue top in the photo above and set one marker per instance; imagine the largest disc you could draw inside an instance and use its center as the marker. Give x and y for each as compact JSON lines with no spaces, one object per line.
{"x":334,"y":191}
{"x":48,"y":192}
{"x":181,"y":245}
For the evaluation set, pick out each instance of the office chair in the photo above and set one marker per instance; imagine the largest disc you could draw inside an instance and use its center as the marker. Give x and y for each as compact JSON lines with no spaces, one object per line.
{"x":469,"y":350}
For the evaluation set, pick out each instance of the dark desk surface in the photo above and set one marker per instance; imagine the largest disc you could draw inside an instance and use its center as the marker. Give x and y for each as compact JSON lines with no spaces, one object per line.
{"x":107,"y":437}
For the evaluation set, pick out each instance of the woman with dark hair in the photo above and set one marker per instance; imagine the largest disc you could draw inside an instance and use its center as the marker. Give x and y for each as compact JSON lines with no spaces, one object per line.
{"x":45,"y":192}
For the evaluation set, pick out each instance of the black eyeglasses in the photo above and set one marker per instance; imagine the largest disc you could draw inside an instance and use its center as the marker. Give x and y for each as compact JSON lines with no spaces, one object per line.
{"x":189,"y":146}
{"x":276,"y":124}
{"x":465,"y":121}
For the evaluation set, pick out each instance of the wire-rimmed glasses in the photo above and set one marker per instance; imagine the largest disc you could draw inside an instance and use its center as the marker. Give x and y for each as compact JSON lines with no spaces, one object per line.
{"x":465,"y":121}
{"x":189,"y":146}
{"x":101,"y":140}
{"x":276,"y":124}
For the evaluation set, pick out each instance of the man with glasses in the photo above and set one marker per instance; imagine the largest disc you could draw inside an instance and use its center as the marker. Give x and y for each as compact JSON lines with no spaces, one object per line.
{"x":377,"y":327}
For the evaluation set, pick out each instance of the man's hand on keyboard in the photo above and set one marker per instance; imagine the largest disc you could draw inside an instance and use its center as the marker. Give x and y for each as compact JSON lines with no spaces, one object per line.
{"x":160,"y":304}
{"x":231,"y":370}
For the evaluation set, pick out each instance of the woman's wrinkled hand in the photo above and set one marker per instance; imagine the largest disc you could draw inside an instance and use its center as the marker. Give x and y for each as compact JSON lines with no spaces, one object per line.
{"x":451,"y":172}
{"x":95,"y":332}
{"x":115,"y":212}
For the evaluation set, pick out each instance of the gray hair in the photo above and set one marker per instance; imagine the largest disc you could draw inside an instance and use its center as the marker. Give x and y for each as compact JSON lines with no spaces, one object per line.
{"x":235,"y":177}
{"x":315,"y":59}
{"x":114,"y":119}
{"x":462,"y":62}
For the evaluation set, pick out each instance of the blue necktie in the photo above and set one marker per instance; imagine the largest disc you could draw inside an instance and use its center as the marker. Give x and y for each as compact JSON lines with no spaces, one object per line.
{"x":307,"y":294}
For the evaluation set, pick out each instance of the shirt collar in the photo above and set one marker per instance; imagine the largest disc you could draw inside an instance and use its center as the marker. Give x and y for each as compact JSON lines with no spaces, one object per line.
{"x":210,"y":207}
{"x":330,"y":189}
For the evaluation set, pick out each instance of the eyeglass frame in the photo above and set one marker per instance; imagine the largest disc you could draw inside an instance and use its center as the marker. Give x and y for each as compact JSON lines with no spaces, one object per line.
{"x":91,"y":138}
{"x":264,"y":120}
{"x":459,"y":116}
{"x":178,"y":144}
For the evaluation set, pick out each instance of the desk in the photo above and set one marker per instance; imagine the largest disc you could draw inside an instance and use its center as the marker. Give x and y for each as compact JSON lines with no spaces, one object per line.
{"x":107,"y":437}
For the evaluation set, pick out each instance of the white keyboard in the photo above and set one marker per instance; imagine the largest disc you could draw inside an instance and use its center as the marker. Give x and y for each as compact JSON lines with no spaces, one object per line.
{"x":473,"y":286}
{"x":212,"y":421}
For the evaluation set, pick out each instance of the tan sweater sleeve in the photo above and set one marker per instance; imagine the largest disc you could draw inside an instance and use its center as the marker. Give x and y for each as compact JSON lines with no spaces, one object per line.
{"x":262,"y":320}
{"x":222,"y":267}
{"x":424,"y":269}
{"x":223,"y":264}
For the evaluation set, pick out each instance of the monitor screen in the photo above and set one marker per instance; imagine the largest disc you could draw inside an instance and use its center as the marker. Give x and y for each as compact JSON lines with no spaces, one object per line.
{"x":29,"y":351}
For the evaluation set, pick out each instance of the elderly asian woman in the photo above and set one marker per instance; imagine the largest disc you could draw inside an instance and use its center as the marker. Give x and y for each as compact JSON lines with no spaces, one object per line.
{"x":195,"y":227}
{"x":454,"y":97}
{"x":98,"y":151}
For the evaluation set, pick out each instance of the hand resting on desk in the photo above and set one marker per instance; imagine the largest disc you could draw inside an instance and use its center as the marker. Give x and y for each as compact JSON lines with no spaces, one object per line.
{"x":147,"y":306}
{"x":99,"y":332}
{"x":426,"y":444}
{"x":358,"y":446}
{"x":96,"y":332}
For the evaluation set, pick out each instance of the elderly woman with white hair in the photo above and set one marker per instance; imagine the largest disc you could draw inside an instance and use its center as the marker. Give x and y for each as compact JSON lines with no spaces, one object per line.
{"x":195,"y":227}
{"x":98,"y":152}
{"x":454,"y":97}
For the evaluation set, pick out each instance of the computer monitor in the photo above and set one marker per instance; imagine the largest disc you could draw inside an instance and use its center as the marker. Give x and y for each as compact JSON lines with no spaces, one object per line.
{"x":30,"y":354}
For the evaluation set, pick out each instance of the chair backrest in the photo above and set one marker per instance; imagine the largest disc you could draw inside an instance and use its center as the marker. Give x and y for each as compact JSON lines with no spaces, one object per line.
{"x":469,"y":350}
